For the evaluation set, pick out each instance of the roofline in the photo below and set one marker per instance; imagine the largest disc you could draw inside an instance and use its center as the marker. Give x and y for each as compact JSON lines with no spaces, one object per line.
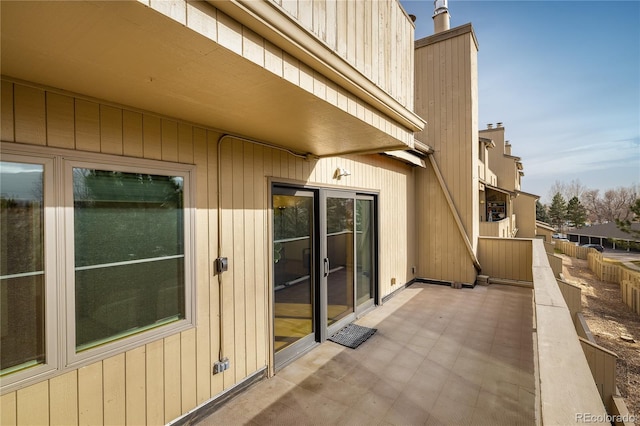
{"x":537,"y":197}
{"x":445,"y":35}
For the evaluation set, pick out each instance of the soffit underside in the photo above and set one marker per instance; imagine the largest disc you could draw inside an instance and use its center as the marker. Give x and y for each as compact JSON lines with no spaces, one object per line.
{"x":126,"y":53}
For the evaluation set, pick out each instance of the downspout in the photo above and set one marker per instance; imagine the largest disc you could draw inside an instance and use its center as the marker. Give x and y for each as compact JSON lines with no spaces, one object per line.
{"x":455,"y":213}
{"x":218,"y":161}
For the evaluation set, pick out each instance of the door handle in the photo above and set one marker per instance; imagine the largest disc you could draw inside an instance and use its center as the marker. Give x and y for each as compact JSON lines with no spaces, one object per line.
{"x":326,"y":266}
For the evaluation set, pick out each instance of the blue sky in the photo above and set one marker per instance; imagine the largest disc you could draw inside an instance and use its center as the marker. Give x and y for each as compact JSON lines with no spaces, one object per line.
{"x":564,"y":78}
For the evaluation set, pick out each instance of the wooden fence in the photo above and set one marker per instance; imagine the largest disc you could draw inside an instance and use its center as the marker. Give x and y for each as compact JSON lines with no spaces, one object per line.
{"x":570,"y":249}
{"x":602,"y":363}
{"x":572,"y":296}
{"x":627,"y":279}
{"x":604,"y":271}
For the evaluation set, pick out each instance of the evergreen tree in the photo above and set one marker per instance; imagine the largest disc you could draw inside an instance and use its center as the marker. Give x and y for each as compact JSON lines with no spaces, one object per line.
{"x":541,"y":212}
{"x":576,"y":213}
{"x":558,"y":211}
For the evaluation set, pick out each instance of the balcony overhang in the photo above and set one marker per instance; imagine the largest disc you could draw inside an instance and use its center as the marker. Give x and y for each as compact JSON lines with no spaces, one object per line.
{"x":407,"y":157}
{"x":501,"y":190}
{"x":269,"y":21}
{"x":129,"y":54}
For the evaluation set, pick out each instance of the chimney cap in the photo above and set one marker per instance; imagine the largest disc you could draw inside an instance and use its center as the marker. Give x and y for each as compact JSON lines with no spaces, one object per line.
{"x":440,"y":6}
{"x":499,"y":124}
{"x":490,"y":126}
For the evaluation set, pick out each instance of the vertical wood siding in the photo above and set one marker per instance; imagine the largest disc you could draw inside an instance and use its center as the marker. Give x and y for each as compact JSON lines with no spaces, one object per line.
{"x":441,"y":250}
{"x":502,"y":165}
{"x":155,"y":383}
{"x":375,"y":37}
{"x":446,"y":97}
{"x":524,"y":206}
{"x":506,"y":258}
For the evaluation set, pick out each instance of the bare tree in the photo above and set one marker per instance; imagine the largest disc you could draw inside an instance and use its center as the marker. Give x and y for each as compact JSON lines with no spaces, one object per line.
{"x":590,"y":199}
{"x":615,"y":203}
{"x":558,"y":188}
{"x":575,"y":188}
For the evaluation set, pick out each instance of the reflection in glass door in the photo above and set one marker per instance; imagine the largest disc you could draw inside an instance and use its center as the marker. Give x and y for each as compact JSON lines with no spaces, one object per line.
{"x":365,"y":250}
{"x":293,"y":247}
{"x":339,"y":258}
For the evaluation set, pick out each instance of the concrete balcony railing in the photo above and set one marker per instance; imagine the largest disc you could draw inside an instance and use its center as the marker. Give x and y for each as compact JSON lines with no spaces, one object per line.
{"x":566,"y":390}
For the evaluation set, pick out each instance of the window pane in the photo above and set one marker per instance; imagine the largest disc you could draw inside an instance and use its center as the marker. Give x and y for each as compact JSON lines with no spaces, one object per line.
{"x":21,"y":266}
{"x":129,"y":253}
{"x":118,"y":301}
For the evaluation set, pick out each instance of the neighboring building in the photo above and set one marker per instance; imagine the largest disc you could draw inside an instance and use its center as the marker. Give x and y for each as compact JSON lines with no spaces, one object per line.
{"x":196,"y":193}
{"x":502,"y":187}
{"x":524,"y":209}
{"x":607,"y":235}
{"x":544,"y":231}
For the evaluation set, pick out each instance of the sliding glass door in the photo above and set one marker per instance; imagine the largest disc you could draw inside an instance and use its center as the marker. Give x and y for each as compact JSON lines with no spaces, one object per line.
{"x":324,"y":264}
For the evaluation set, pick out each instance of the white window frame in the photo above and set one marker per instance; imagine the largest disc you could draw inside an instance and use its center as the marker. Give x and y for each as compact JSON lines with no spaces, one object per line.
{"x":60,"y":352}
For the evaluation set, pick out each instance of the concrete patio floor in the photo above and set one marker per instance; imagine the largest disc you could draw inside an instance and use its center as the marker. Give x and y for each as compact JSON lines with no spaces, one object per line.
{"x":440,"y":356}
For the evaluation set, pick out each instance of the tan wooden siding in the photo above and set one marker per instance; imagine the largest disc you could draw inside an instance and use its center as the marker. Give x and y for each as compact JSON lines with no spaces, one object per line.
{"x":500,"y":228}
{"x":524,"y":206}
{"x":502,"y":165}
{"x":353,"y":31}
{"x":446,"y":96}
{"x":157,"y":382}
{"x":507,"y":258}
{"x":442,"y":254}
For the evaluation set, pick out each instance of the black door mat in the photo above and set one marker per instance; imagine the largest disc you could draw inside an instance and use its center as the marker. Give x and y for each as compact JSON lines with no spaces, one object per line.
{"x":352,"y":335}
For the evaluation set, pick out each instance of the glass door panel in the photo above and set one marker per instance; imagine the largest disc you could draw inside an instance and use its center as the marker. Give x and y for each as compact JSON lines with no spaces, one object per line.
{"x":364,"y":251}
{"x":293,"y":225}
{"x":339,"y":260}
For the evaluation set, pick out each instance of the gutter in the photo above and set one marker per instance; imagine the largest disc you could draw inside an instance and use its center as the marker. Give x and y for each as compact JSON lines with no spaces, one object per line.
{"x":269,"y":22}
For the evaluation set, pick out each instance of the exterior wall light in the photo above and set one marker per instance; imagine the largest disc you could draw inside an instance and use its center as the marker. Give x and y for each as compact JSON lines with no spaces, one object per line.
{"x":341,"y":172}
